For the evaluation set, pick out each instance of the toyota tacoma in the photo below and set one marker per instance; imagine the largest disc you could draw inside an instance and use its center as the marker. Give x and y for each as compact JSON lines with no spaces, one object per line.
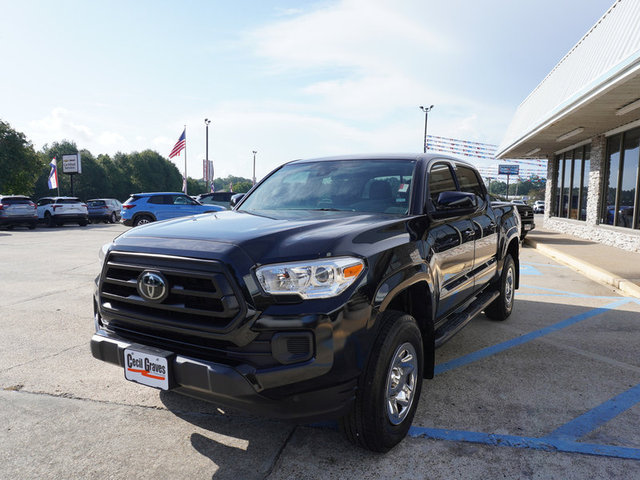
{"x":323,"y":294}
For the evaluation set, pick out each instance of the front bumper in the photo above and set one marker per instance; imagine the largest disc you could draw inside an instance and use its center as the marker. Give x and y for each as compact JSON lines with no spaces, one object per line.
{"x":243,"y":387}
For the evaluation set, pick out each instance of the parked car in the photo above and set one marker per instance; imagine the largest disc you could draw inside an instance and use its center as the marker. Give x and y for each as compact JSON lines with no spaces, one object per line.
{"x":222,"y":199}
{"x":60,"y":210}
{"x":538,"y":206}
{"x":323,"y":294}
{"x":142,"y":208}
{"x":104,"y":209}
{"x":525,"y":211}
{"x":17,"y":210}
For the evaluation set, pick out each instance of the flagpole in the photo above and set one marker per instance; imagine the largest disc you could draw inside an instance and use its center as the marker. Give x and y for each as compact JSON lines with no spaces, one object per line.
{"x":185,"y":160}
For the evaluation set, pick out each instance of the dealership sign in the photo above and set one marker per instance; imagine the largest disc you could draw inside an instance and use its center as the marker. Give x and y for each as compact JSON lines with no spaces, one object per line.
{"x":508,"y":169}
{"x":71,"y":163}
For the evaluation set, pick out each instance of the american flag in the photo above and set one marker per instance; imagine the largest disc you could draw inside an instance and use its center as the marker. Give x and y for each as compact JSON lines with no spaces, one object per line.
{"x":180,"y":145}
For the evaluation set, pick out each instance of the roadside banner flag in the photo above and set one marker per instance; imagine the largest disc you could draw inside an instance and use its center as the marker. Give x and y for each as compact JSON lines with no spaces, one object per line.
{"x":180,"y":145}
{"x":213,"y":188}
{"x":53,"y":175}
{"x":184,"y":184}
{"x":231,"y":187}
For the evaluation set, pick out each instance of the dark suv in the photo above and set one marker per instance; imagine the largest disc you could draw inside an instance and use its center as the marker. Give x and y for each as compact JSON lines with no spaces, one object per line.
{"x":323,"y":294}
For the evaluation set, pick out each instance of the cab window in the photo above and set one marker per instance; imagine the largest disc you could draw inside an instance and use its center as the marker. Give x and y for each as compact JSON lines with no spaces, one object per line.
{"x":440,"y":180}
{"x":468,"y":181}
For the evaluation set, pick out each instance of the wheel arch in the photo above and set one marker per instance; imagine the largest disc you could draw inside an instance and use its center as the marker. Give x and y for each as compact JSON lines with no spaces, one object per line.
{"x":140,"y":214}
{"x":513,"y":249}
{"x":416,"y":299}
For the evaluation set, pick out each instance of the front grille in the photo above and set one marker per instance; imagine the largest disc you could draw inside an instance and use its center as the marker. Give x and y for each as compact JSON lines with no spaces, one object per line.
{"x":201,"y":300}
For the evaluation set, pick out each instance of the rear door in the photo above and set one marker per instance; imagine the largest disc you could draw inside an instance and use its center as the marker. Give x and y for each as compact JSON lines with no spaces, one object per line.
{"x":484,"y":226}
{"x":42,"y":206}
{"x":451,"y":241}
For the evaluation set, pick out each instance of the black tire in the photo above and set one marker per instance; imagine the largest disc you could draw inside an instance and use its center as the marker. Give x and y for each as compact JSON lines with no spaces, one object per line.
{"x":142,"y":220}
{"x":375,"y":422}
{"x":32,"y":226}
{"x":501,"y":307}
{"x":83,"y":223}
{"x":113,"y":218}
{"x":48,"y":220}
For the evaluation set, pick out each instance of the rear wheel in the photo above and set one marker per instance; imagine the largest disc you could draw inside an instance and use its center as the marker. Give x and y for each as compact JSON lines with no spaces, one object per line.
{"x":142,"y":220}
{"x":389,"y":388}
{"x":501,"y":307}
{"x":32,"y":226}
{"x":113,"y":218}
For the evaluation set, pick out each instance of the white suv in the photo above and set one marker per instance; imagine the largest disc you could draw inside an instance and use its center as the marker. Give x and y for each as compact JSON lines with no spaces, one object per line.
{"x":60,"y":210}
{"x":538,"y":206}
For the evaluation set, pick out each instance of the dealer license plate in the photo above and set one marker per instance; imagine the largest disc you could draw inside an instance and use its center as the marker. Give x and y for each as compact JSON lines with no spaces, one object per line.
{"x":527,"y":226}
{"x":148,"y":368}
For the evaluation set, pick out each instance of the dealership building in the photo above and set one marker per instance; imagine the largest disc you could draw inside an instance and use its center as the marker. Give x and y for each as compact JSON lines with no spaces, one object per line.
{"x":584,"y":118}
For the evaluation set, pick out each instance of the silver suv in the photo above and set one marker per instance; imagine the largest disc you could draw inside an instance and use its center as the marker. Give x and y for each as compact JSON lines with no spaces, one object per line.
{"x":17,"y":210}
{"x":60,"y":210}
{"x":104,"y":209}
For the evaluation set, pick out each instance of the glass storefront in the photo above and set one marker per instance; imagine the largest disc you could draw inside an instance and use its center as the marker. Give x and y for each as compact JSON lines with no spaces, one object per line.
{"x":572,"y":183}
{"x":621,"y":202}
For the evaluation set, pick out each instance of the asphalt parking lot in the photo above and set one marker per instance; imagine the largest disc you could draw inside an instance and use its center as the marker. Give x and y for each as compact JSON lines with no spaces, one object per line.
{"x":553,"y":392}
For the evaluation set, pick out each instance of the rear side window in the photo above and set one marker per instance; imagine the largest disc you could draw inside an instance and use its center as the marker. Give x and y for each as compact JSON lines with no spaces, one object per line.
{"x":160,"y":200}
{"x":132,"y":199}
{"x":440,"y":180}
{"x":468,"y":181}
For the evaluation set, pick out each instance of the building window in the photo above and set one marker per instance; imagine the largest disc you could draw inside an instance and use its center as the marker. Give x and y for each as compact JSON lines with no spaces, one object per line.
{"x":572,"y":183}
{"x":620,"y":207}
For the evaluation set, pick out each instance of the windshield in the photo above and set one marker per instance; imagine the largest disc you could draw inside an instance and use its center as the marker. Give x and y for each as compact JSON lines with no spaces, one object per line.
{"x":380,"y":186}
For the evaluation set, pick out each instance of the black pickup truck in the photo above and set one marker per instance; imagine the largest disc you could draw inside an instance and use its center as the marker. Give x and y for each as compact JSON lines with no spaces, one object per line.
{"x":323,"y":294}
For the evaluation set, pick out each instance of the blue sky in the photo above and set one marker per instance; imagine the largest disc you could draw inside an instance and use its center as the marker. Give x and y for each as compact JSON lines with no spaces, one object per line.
{"x":289,"y":79}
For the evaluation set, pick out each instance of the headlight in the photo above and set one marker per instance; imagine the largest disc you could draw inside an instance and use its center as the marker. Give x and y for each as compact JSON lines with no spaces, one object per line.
{"x":103,"y":252}
{"x":313,"y":279}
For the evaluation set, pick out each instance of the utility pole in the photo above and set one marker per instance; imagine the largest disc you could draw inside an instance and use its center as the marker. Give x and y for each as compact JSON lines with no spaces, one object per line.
{"x":426,"y":111}
{"x":254,"y":166}
{"x":207,"y":180}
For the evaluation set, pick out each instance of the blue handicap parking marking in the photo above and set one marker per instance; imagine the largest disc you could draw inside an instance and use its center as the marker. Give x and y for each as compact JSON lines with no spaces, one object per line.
{"x":526,"y":269}
{"x":564,"y":438}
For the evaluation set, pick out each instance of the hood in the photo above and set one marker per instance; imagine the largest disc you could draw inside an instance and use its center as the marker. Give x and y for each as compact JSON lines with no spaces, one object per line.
{"x":271,"y":236}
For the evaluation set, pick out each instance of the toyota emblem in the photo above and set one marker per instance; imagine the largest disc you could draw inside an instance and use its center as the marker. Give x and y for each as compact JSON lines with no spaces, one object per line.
{"x":152,"y":286}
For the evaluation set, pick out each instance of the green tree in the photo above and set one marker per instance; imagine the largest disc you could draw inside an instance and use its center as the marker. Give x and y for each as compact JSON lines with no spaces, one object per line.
{"x":19,"y":163}
{"x":239,"y":184}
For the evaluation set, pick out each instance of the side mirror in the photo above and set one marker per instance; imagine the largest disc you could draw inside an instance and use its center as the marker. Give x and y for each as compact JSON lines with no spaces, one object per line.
{"x":235,"y":199}
{"x":455,"y":203}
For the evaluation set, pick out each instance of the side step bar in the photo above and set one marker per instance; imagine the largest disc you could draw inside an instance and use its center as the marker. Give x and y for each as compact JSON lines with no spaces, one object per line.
{"x":457,"y":321}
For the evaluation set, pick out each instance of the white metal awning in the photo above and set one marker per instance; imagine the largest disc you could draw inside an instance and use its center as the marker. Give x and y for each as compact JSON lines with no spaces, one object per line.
{"x":587,"y":91}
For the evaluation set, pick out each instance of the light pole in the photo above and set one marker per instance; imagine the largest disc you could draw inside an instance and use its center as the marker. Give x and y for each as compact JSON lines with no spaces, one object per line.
{"x":207,"y":180}
{"x":254,"y":166}
{"x":426,"y":111}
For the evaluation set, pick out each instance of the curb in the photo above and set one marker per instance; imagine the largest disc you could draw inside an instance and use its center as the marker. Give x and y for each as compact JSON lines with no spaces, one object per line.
{"x":588,"y":270}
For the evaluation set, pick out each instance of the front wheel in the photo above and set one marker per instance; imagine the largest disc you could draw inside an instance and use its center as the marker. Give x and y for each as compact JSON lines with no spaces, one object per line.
{"x":501,"y":307}
{"x":48,"y":220}
{"x":389,"y":388}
